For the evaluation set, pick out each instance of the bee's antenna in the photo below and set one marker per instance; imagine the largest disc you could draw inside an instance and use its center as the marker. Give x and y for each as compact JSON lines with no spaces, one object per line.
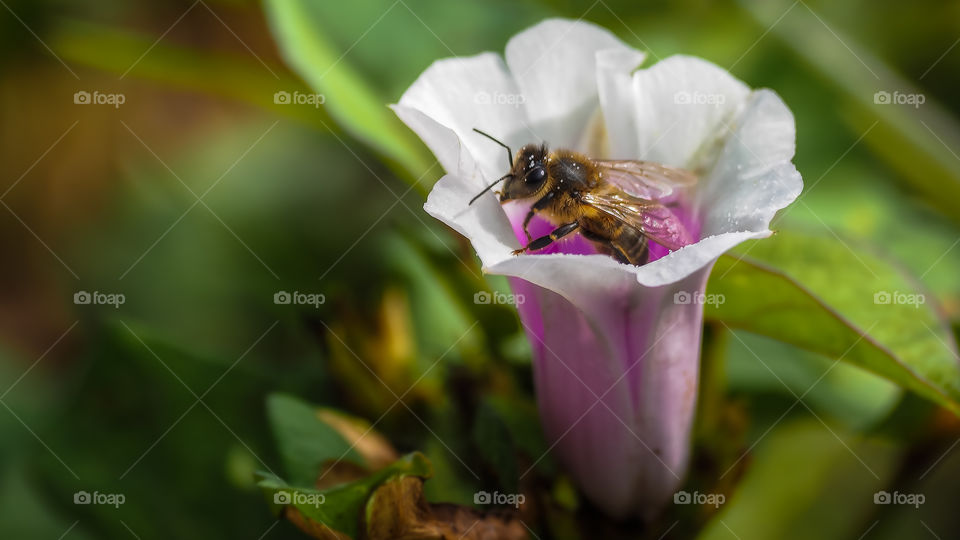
{"x":486,"y":189}
{"x":494,"y":139}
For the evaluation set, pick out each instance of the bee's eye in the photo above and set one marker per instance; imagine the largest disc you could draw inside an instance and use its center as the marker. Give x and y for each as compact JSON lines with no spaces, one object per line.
{"x":536,"y":175}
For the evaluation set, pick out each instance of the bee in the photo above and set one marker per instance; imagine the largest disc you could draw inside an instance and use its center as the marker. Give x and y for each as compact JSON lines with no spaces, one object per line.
{"x":619,"y":205}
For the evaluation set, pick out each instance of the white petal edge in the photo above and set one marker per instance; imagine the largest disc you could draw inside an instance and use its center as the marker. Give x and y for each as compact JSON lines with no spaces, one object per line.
{"x":443,"y":142}
{"x":554,"y":64}
{"x":483,"y":222}
{"x":753,"y":176}
{"x":752,"y":179}
{"x":461,"y":94}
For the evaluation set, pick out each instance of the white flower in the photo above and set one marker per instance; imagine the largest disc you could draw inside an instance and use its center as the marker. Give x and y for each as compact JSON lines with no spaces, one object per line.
{"x":616,"y":348}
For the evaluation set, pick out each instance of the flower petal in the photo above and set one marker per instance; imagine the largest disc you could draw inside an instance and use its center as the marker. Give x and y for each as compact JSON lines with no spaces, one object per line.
{"x":555,"y":66}
{"x":442,"y":141}
{"x":615,"y":88}
{"x":752,"y":178}
{"x":616,"y":382}
{"x":483,"y":222}
{"x":687,"y":260}
{"x":462,"y":94}
{"x":667,"y":358}
{"x":584,"y":403}
{"x":683,"y":104}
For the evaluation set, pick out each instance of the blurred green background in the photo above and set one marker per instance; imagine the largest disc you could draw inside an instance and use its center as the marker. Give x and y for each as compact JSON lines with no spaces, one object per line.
{"x":199,"y":198}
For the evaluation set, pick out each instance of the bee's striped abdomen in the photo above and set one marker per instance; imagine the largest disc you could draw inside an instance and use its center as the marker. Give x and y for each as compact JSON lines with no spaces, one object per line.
{"x":632,"y":244}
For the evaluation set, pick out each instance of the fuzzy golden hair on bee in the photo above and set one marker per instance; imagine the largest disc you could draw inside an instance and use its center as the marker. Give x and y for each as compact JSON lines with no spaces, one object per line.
{"x":619,"y":205}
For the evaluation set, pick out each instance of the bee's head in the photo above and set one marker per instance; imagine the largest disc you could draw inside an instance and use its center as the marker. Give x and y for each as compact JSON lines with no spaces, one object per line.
{"x":528,"y":175}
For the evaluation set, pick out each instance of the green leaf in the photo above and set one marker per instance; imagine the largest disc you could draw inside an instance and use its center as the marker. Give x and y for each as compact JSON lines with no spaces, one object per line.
{"x":801,"y":474}
{"x":818,"y":294}
{"x":340,"y":507}
{"x":305,"y":441}
{"x":854,"y":397}
{"x":857,"y":202}
{"x":352,"y":103}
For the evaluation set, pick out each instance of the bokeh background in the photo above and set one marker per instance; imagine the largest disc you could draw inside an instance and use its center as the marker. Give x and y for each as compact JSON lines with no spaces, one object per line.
{"x":199,"y":198}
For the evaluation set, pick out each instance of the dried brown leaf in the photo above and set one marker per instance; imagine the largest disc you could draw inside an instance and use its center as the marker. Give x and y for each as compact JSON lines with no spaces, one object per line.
{"x":334,"y":473}
{"x":374,"y":447}
{"x":312,"y":528}
{"x":399,"y":511}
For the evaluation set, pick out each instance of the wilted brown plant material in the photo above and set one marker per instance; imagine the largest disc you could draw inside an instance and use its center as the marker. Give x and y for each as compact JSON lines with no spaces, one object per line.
{"x":374,"y":447}
{"x":399,"y":511}
{"x":313,"y":528}
{"x":334,"y":473}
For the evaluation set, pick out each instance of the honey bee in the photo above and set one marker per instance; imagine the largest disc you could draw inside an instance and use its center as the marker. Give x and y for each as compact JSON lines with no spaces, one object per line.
{"x":619,"y":205}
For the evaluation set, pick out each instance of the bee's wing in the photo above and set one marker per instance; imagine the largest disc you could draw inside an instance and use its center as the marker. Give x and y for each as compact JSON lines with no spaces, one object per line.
{"x":652,"y":219}
{"x":644,"y":179}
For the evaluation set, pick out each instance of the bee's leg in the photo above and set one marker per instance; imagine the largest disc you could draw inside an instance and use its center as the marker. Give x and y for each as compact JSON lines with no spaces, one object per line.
{"x":545,"y":241}
{"x":536,"y":207}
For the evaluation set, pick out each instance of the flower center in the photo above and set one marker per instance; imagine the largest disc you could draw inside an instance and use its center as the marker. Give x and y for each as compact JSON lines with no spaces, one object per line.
{"x":577,"y":244}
